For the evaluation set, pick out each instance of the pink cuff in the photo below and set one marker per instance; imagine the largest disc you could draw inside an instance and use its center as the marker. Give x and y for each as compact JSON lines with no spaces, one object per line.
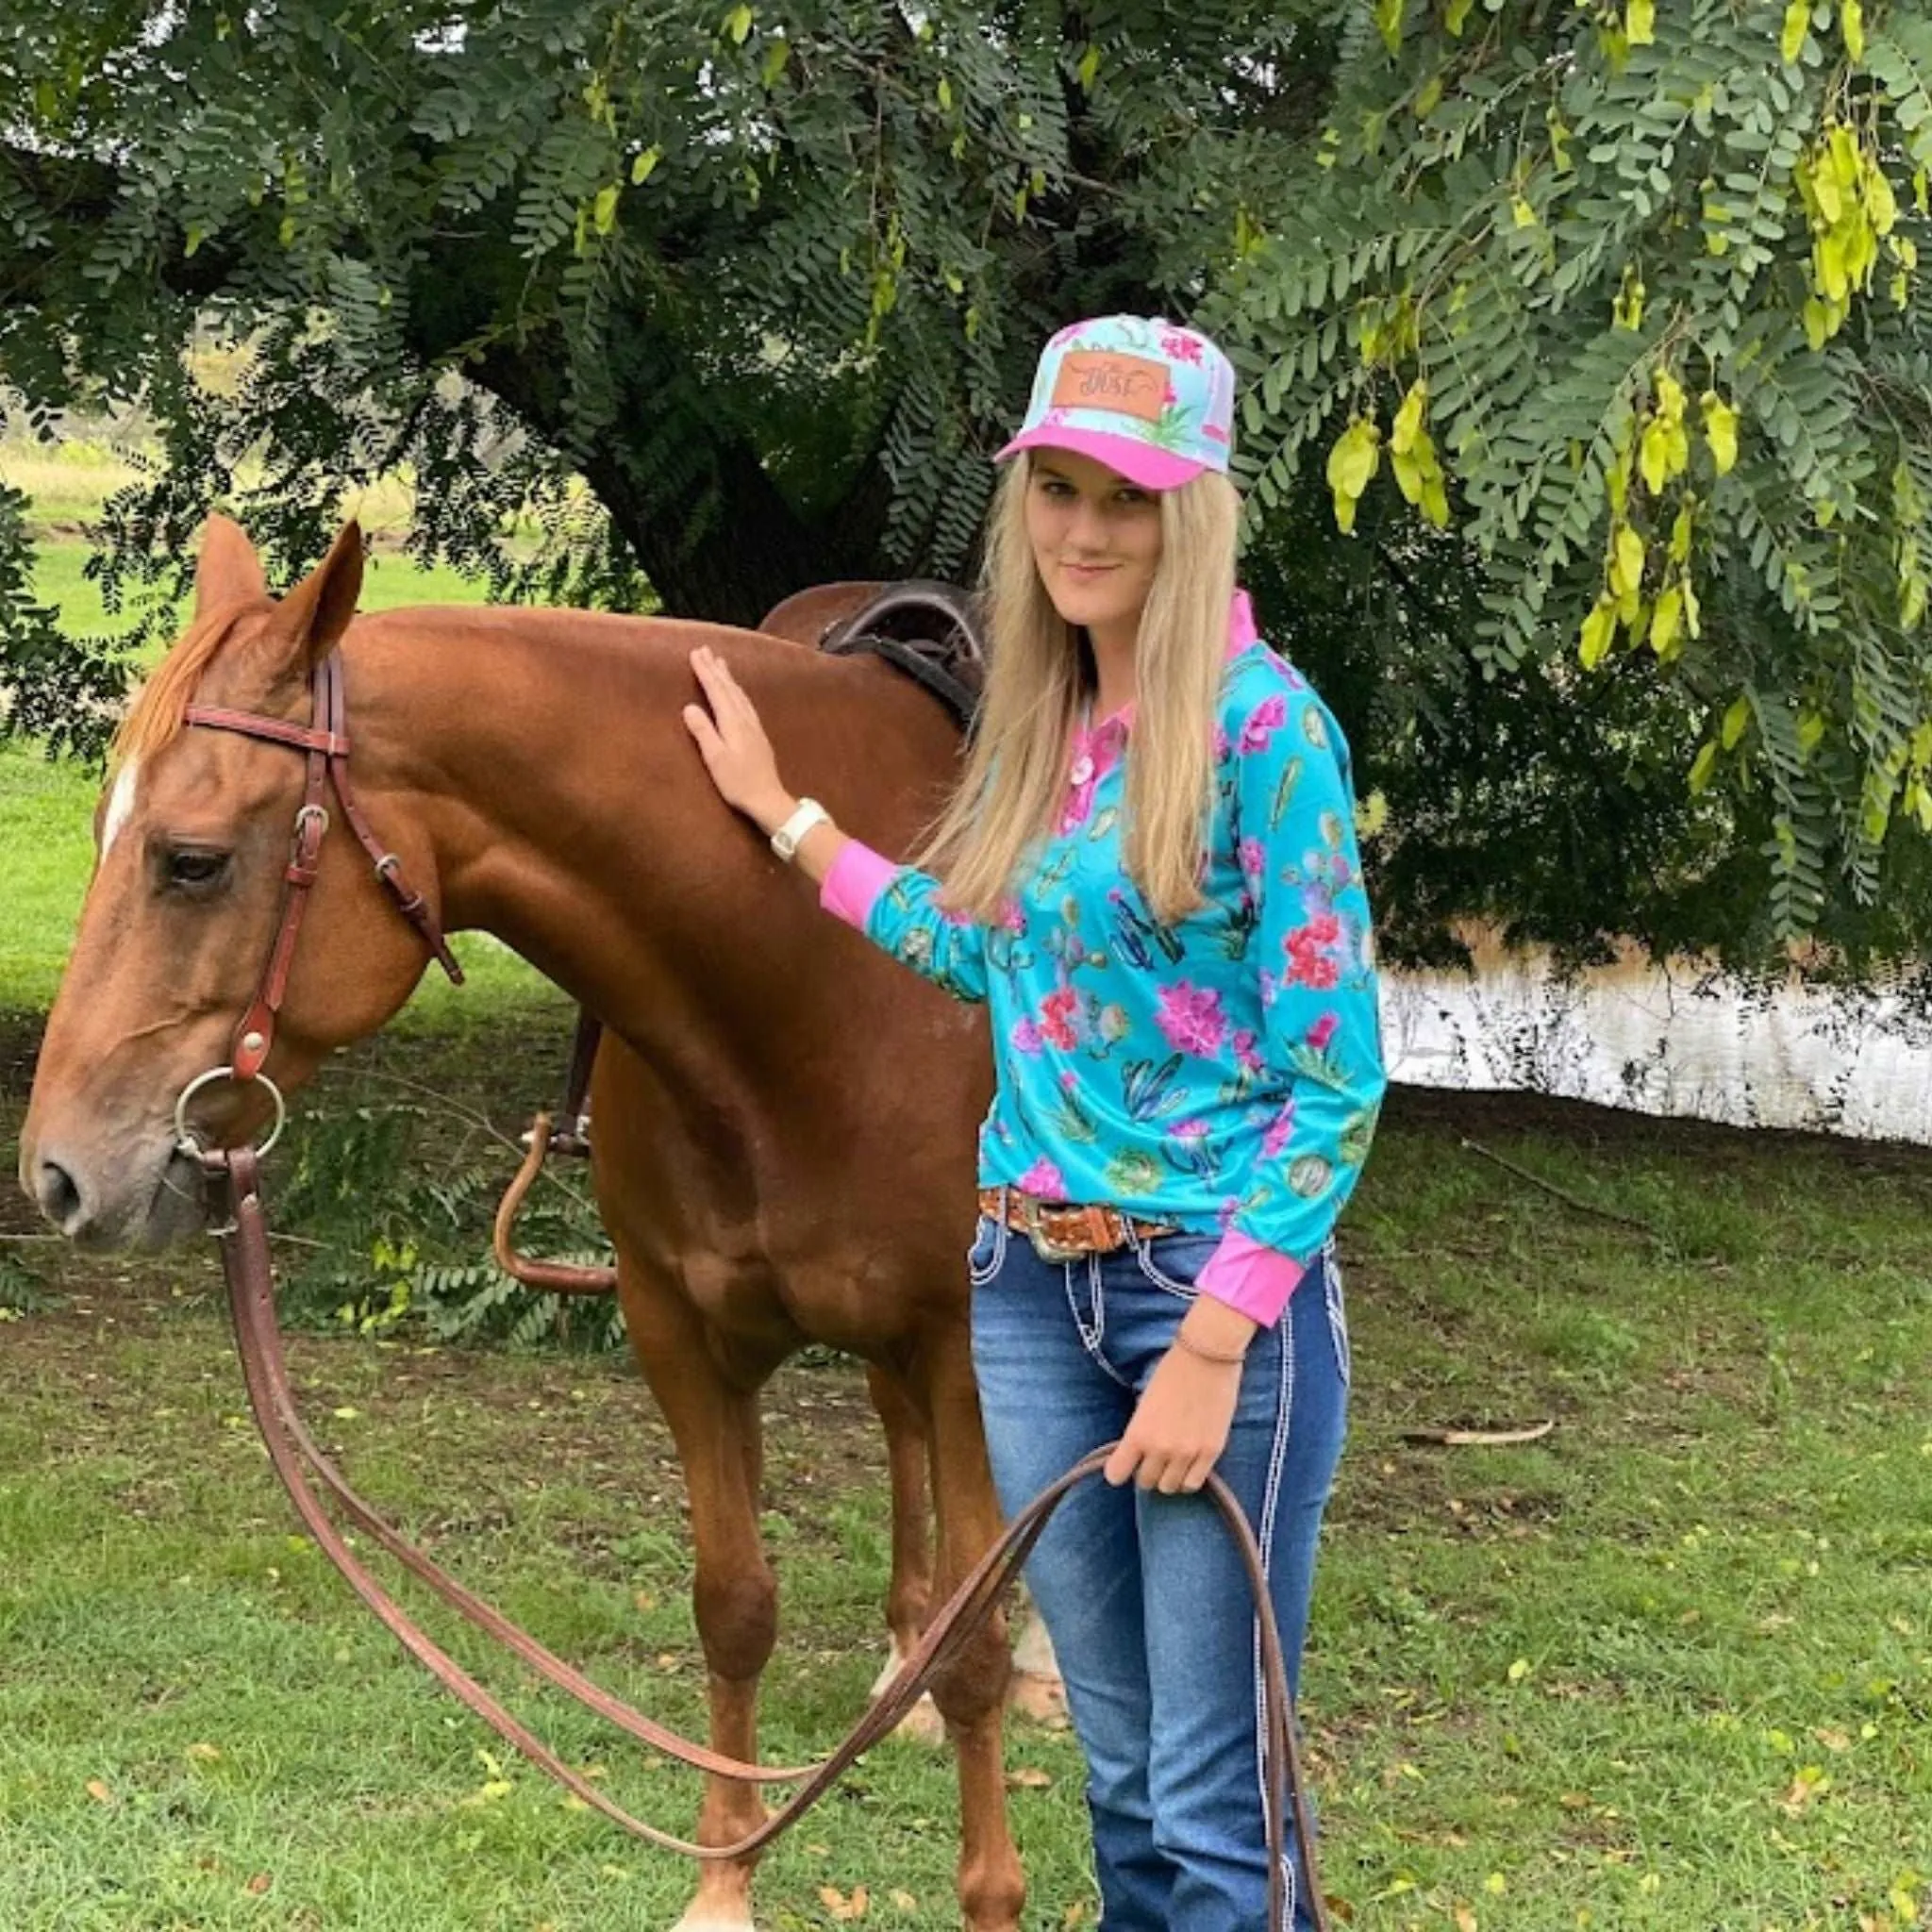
{"x":852,"y":886}
{"x":1248,"y":1276}
{"x":1240,"y":624}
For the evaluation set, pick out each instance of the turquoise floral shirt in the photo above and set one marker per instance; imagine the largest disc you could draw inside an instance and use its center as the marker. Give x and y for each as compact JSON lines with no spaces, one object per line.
{"x":1222,"y":1075}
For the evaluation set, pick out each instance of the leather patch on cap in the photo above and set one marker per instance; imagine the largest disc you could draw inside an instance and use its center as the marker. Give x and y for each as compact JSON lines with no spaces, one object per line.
{"x":1105,"y":379}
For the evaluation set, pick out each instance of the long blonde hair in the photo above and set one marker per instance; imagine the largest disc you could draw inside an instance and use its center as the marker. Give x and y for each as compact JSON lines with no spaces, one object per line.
{"x":1012,"y":790}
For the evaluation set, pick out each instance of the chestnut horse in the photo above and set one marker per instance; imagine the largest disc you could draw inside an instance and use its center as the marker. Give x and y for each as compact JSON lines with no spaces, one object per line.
{"x":785,"y":1119}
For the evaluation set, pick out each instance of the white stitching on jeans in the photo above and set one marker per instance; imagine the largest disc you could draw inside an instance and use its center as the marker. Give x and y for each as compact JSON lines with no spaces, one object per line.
{"x":1091,"y":1338}
{"x":1143,"y":1251}
{"x":1337,"y":1312}
{"x":978,"y":1277}
{"x":1277,"y":1458}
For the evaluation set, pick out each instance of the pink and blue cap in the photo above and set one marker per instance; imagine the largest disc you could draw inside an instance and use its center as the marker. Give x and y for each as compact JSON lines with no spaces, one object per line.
{"x":1150,"y":399}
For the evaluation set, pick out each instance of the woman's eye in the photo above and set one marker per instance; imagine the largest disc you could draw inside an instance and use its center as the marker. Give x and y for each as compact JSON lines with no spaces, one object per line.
{"x":192,"y":869}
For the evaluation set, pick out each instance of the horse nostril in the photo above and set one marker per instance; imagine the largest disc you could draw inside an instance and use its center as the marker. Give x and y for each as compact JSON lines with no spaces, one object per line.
{"x":60,"y":1197}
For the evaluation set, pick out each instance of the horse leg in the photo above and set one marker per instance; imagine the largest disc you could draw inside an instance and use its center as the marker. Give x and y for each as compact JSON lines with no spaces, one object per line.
{"x":972,"y":1693}
{"x":908,"y":1598}
{"x":733,"y":1594}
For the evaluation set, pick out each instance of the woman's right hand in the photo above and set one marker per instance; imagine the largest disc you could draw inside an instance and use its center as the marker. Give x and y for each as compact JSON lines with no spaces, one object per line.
{"x":732,"y":741}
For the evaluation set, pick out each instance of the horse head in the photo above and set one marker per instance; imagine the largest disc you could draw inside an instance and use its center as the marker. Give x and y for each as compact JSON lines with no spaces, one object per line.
{"x":192,"y":857}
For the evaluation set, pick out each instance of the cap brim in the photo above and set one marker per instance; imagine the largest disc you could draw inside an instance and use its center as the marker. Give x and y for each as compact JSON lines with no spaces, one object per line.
{"x":1139,"y":462}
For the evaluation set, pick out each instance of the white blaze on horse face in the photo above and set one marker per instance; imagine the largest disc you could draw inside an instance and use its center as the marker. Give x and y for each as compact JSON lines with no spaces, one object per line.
{"x":120,"y":804}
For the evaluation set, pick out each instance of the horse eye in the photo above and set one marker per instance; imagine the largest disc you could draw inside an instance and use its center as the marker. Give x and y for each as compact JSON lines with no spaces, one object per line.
{"x":192,"y":870}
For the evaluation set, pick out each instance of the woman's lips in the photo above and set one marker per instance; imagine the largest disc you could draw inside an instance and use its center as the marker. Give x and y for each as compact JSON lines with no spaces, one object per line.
{"x":1085,"y":573}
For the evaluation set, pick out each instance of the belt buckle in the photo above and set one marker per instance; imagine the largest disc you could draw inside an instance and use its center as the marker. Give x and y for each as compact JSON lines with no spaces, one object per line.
{"x":1049,"y":1250}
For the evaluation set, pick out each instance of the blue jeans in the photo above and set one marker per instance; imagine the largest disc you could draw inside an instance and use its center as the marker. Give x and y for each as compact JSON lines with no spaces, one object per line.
{"x":1144,"y":1598}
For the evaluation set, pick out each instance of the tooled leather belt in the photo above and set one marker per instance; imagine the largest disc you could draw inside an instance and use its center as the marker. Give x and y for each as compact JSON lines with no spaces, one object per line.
{"x":1064,"y":1232}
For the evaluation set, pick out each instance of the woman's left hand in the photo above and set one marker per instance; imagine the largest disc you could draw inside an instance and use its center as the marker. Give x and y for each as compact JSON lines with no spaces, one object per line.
{"x":1179,"y":1426}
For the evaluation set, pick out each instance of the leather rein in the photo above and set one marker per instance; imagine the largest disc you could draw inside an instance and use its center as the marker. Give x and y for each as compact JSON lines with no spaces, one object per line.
{"x":299,"y":1461}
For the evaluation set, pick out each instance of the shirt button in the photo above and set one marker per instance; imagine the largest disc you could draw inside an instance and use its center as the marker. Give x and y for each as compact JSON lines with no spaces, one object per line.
{"x":1083,"y":770}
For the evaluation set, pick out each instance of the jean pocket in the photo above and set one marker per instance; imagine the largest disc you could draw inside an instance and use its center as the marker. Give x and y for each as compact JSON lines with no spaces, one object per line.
{"x":1338,"y":1314}
{"x":1174,"y":1262}
{"x":988,"y":1251}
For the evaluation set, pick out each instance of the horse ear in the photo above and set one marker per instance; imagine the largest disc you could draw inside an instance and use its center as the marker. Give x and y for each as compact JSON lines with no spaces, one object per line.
{"x":227,"y":571}
{"x":312,"y":618}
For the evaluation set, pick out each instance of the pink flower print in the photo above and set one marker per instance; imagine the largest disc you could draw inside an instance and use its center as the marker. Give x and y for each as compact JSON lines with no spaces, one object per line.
{"x":1013,"y":916}
{"x":955,"y":916}
{"x":1247,"y":1052}
{"x":1170,"y":396}
{"x":1224,"y":1214}
{"x":1323,"y":1031}
{"x":1280,"y":1130}
{"x":1182,"y":348}
{"x":1308,"y":961}
{"x":1190,"y":1017}
{"x":1055,"y":1013}
{"x":1024,"y":1037}
{"x":1043,"y":1181}
{"x":1214,"y":432}
{"x":1223,"y":743}
{"x":1254,"y":857}
{"x":1268,"y":718}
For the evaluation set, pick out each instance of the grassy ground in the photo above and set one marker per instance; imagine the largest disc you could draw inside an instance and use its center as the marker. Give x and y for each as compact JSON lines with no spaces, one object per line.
{"x":1670,"y":1668}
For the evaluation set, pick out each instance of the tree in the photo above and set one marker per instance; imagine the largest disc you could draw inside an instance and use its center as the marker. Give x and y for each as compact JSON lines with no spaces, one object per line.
{"x":1627,"y":305}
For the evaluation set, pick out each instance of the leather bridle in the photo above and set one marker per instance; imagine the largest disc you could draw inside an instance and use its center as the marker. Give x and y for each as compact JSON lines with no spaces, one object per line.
{"x":324,"y":739}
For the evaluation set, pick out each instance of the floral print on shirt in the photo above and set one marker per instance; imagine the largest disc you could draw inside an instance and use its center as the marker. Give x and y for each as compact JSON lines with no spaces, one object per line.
{"x":1222,"y":1073}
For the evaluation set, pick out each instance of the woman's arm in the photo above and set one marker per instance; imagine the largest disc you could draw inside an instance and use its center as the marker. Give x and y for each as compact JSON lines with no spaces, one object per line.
{"x":895,"y":907}
{"x":1314,"y":951}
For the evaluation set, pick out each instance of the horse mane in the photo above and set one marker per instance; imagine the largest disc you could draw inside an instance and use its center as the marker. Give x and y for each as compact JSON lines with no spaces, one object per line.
{"x":156,"y":717}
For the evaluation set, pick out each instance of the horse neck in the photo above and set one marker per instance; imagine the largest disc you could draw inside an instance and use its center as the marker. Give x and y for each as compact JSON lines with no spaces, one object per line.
{"x":570,"y":814}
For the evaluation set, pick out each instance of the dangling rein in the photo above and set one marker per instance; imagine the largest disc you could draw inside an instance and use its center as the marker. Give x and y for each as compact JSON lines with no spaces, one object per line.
{"x":235,"y":1176}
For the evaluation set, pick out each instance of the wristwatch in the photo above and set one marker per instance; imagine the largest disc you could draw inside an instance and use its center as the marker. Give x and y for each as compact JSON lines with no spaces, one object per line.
{"x":785,"y":840}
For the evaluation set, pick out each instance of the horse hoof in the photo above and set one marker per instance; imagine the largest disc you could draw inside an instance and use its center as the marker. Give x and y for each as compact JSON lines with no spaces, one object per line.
{"x":703,"y":1917}
{"x":921,"y":1725}
{"x":1042,"y":1699}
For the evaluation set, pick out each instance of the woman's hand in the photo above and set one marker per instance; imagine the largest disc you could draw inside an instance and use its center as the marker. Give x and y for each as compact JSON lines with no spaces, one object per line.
{"x":736,"y":751}
{"x":1180,"y":1424}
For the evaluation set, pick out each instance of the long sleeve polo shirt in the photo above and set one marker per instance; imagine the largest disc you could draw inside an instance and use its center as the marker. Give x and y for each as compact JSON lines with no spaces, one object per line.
{"x":1221,"y":1074}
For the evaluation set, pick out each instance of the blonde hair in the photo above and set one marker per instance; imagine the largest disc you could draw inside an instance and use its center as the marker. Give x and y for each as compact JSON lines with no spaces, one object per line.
{"x":1011,"y":793}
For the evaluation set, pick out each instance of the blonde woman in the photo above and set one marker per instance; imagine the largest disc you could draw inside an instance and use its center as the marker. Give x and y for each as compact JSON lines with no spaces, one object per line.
{"x":1149,"y":875}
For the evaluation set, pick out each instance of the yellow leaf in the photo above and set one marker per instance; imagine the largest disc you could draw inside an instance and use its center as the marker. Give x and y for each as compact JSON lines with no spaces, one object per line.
{"x":1353,"y":461}
{"x":1681,"y":533}
{"x":1389,"y":15}
{"x":1702,"y":766}
{"x":1519,"y":1669}
{"x":1736,"y":722}
{"x":1626,"y":566}
{"x":1598,"y":629}
{"x":1797,"y":24}
{"x":604,"y":211}
{"x":98,"y":1792}
{"x":1457,"y":15}
{"x":738,"y":24}
{"x":841,"y":1908}
{"x":1428,"y":97}
{"x":1655,"y":457}
{"x":1402,"y":432}
{"x":1721,"y":432}
{"x":1029,"y":1778}
{"x":1664,"y":622}
{"x":1495,"y":1884}
{"x":1640,"y":23}
{"x":1090,"y":66}
{"x":1524,"y":215}
{"x":1810,"y":735}
{"x":1851,"y":19}
{"x":1693,"y":612}
{"x":1436,"y":499}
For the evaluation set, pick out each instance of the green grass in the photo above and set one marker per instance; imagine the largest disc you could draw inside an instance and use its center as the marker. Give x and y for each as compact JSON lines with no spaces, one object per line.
{"x":1669,"y":1668}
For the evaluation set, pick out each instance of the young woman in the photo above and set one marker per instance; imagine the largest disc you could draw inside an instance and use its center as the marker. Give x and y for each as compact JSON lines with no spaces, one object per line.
{"x":1149,"y":874}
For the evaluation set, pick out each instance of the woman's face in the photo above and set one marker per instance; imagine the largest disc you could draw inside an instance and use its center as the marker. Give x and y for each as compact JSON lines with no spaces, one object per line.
{"x":1096,"y":540}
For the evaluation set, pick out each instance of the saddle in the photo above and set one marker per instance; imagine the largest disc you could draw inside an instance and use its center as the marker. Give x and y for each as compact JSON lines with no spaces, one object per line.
{"x":932,"y":631}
